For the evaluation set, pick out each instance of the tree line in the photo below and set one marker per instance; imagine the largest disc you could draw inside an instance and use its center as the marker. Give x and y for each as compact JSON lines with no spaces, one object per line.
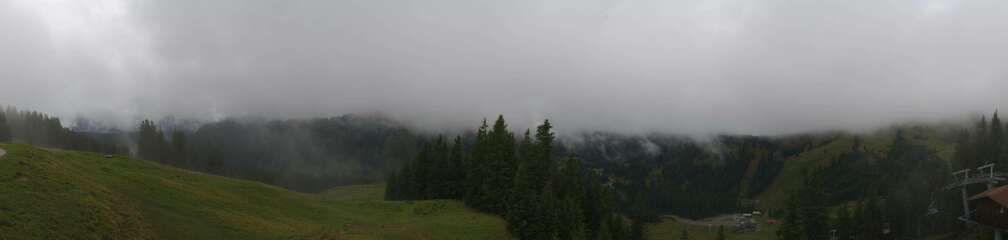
{"x":540,"y":195}
{"x":35,"y":128}
{"x":309,"y":155}
{"x":985,"y":142}
{"x":651,"y":173}
{"x":864,"y":194}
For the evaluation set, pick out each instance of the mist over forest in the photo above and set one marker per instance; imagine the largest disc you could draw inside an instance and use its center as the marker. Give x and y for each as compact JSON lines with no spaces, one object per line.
{"x":689,"y":67}
{"x":523,"y":119}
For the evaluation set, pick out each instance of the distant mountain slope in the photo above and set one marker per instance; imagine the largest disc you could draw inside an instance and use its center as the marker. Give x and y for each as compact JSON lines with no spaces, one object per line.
{"x":55,"y":194}
{"x":935,"y":138}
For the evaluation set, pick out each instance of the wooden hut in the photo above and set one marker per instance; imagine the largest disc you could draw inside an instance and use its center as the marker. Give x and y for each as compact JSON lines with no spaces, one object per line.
{"x":989,"y":207}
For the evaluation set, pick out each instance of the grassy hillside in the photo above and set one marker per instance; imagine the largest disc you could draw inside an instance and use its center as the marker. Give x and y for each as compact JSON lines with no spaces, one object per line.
{"x":791,"y":174}
{"x":671,"y":229}
{"x":355,"y":192}
{"x":55,"y":194}
{"x":878,"y":142}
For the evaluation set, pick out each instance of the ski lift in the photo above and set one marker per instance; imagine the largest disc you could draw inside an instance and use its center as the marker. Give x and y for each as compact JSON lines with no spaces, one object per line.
{"x":932,"y":208}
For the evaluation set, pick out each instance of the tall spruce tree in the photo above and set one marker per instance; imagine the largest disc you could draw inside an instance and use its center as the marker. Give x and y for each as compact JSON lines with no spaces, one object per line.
{"x":477,"y":170}
{"x":597,"y":207}
{"x":570,"y":180}
{"x":151,"y":145}
{"x":456,"y":172}
{"x":525,"y":217}
{"x":997,"y":140}
{"x":981,"y":141}
{"x":502,"y":167}
{"x":526,"y":150}
{"x":422,"y":174}
{"x":440,"y":169}
{"x":542,"y":167}
{"x":570,"y":222}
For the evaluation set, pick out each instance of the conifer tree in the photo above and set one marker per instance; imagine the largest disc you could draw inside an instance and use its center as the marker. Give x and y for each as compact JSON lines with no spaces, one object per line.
{"x":637,"y":230}
{"x":813,"y":210}
{"x":440,"y":169}
{"x":502,"y":167}
{"x":618,"y":228}
{"x":477,"y":170}
{"x":391,"y":187}
{"x":570,"y":220}
{"x":542,"y":167}
{"x":965,"y":153}
{"x":570,"y":180}
{"x":525,"y":217}
{"x":539,"y":198}
{"x":421,"y":174}
{"x":603,"y":233}
{"x":151,"y":145}
{"x":873,"y":218}
{"x":407,"y":183}
{"x":996,"y":141}
{"x":179,"y":148}
{"x":456,"y":171}
{"x":790,"y":228}
{"x":5,"y":130}
{"x":526,"y":150}
{"x":549,"y":213}
{"x":843,"y":222}
{"x":981,"y":141}
{"x":596,"y":207}
{"x":720,"y":233}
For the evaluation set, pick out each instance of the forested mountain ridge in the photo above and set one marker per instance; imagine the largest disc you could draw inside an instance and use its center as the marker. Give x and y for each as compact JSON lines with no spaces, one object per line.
{"x":721,"y":174}
{"x":643,"y":176}
{"x":308,"y":155}
{"x":45,"y":130}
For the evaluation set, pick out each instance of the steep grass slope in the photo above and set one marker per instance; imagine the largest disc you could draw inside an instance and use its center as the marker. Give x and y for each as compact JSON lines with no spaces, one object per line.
{"x":55,"y":194}
{"x":878,"y":143}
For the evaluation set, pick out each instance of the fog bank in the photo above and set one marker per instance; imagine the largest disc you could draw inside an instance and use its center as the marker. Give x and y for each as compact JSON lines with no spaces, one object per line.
{"x":693,"y":67}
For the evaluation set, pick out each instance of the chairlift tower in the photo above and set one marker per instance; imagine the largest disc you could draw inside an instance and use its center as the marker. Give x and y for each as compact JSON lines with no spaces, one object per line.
{"x":983,"y":175}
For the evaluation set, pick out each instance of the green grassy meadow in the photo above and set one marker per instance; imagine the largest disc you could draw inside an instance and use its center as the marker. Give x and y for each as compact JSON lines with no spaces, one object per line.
{"x":56,"y":194}
{"x":790,"y":176}
{"x":670,"y":229}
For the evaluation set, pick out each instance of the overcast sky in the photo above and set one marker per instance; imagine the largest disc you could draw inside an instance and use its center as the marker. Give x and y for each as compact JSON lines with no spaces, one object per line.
{"x":756,"y":67}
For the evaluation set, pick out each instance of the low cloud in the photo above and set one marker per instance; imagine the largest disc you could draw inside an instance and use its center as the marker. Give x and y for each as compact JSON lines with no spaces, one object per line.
{"x":693,"y":67}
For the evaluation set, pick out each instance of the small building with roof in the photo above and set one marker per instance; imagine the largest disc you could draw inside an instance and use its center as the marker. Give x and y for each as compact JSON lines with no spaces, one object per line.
{"x":990,"y":207}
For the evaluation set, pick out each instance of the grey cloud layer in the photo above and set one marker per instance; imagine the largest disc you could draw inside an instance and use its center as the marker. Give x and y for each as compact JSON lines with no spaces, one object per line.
{"x":764,"y":67}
